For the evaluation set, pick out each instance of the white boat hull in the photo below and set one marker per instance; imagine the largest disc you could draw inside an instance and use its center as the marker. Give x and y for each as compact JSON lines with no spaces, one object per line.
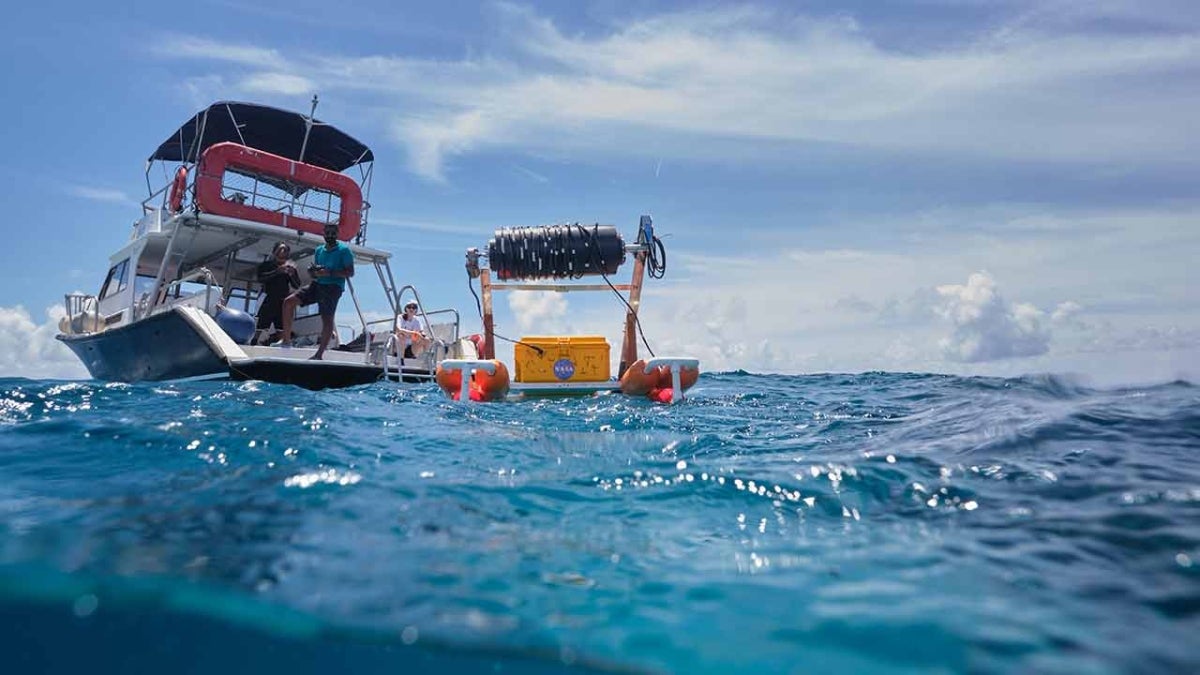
{"x":164,"y":346}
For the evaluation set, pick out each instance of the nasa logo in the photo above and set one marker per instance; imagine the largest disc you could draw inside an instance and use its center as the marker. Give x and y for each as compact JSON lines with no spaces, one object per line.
{"x":564,"y":369}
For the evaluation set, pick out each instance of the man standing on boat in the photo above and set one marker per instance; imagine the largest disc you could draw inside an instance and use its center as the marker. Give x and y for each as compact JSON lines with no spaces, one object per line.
{"x":279,"y":278}
{"x":333,"y":263}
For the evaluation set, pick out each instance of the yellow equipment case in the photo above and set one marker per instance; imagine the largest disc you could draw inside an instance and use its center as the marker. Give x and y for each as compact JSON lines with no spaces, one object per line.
{"x":575,"y":358}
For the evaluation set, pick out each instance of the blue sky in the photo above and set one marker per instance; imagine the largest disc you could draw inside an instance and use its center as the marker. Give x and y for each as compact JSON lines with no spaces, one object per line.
{"x":937,"y":185}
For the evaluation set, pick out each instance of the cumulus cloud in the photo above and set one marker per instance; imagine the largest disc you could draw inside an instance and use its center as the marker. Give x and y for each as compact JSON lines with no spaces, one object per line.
{"x":915,"y":308}
{"x":543,"y":310}
{"x":719,"y":327}
{"x":1066,"y":311}
{"x":986,"y":328}
{"x":28,"y":349}
{"x":792,"y":308}
{"x":1042,"y":86}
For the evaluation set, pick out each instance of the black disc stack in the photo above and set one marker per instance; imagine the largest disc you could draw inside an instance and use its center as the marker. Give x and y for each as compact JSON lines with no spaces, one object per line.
{"x":555,"y":251}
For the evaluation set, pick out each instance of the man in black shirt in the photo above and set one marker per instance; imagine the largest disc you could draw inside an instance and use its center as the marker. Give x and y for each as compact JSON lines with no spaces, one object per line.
{"x":278,"y":277}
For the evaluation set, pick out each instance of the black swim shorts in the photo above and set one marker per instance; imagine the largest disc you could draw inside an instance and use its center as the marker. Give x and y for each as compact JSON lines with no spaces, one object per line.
{"x":325,"y":295}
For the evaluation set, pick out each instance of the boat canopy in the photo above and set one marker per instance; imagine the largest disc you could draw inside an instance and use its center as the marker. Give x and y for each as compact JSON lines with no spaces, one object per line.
{"x":279,"y":132}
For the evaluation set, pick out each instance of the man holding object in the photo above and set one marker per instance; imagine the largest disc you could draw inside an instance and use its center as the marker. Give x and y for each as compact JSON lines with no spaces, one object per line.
{"x":333,"y":263}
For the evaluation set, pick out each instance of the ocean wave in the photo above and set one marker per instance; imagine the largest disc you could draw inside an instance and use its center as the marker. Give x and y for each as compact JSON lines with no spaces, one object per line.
{"x":816,"y":521}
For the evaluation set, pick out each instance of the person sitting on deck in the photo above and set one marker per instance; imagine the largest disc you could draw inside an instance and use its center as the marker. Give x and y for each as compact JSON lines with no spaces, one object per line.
{"x":279,"y":278}
{"x":410,"y":339}
{"x":333,"y":264}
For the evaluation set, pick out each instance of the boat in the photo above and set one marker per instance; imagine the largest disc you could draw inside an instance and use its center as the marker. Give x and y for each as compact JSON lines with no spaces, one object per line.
{"x":523,"y":259}
{"x":180,"y":294}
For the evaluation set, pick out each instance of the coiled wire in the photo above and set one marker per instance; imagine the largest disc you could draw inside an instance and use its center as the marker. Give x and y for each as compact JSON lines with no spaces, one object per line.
{"x":568,"y":251}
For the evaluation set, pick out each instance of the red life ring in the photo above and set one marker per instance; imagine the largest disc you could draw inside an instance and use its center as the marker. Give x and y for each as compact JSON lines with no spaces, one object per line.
{"x":226,"y":157}
{"x":178,"y":187}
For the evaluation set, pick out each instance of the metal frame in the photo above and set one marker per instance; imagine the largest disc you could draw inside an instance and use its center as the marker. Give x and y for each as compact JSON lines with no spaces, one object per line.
{"x":209,"y":282}
{"x":629,"y":350}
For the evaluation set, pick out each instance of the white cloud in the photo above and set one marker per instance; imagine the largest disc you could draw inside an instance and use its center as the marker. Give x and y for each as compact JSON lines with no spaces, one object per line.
{"x":798,"y":308}
{"x":530,"y":174}
{"x":193,"y":47}
{"x":987,"y":328}
{"x":540,"y":310}
{"x":1066,"y":311}
{"x":277,"y":83}
{"x":655,"y":86}
{"x":97,"y":194}
{"x":1045,"y":85}
{"x":429,"y":141}
{"x":28,"y":349}
{"x":201,"y":91}
{"x":428,"y":226}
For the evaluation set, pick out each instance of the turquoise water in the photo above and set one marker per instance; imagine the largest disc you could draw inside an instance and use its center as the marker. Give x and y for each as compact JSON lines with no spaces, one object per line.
{"x":865,"y":523}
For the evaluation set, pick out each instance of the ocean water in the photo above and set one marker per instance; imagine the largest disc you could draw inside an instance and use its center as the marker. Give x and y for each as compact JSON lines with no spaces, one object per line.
{"x":769,"y":524}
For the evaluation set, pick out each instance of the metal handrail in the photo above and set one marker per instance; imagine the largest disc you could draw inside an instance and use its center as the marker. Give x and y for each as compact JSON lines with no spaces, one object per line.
{"x":387,"y":349}
{"x":209,"y":279}
{"x":367,"y":344}
{"x":425,"y":315}
{"x":76,"y":304}
{"x":146,"y":208}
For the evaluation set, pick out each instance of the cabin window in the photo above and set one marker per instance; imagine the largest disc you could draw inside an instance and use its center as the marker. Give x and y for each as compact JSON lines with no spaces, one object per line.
{"x":143,"y":285}
{"x":116,"y":281}
{"x":241,"y":298}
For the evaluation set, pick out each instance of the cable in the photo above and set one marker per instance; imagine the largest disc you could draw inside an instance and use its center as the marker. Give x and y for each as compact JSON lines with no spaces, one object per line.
{"x":479,"y":308}
{"x":534,"y":347}
{"x":555,"y":251}
{"x":657,"y":267}
{"x":471,"y":286}
{"x":597,"y":255}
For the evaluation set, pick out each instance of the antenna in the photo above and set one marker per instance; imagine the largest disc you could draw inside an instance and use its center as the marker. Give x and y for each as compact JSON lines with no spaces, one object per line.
{"x":308,"y":124}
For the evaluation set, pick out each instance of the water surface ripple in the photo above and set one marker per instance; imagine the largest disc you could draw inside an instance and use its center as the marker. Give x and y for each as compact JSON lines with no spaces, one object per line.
{"x":874,"y":522}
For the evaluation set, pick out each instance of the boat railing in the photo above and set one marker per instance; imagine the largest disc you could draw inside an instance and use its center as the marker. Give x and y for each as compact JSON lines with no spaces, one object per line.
{"x":83,"y":314}
{"x":444,"y":343}
{"x":267,"y":192}
{"x":370,"y":345}
{"x":389,"y":356}
{"x":154,"y":209}
{"x":434,"y":329}
{"x":389,"y":346}
{"x":196,"y":275}
{"x":78,"y":303}
{"x":157,"y":201}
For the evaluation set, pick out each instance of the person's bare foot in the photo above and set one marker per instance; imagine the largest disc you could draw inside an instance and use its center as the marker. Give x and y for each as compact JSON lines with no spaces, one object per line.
{"x":315,"y":357}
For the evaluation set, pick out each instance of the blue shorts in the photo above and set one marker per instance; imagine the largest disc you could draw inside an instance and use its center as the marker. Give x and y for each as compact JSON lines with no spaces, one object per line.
{"x":325,"y":295}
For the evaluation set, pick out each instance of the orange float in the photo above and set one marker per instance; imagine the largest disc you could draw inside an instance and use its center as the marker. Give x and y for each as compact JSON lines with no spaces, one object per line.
{"x":655,"y":384}
{"x":484,"y":386}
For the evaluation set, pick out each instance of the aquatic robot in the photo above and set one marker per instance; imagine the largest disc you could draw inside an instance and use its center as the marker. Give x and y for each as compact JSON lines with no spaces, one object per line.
{"x":555,"y":258}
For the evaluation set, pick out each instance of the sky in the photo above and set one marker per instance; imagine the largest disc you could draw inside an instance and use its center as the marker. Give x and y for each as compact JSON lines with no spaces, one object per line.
{"x":958,"y":186}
